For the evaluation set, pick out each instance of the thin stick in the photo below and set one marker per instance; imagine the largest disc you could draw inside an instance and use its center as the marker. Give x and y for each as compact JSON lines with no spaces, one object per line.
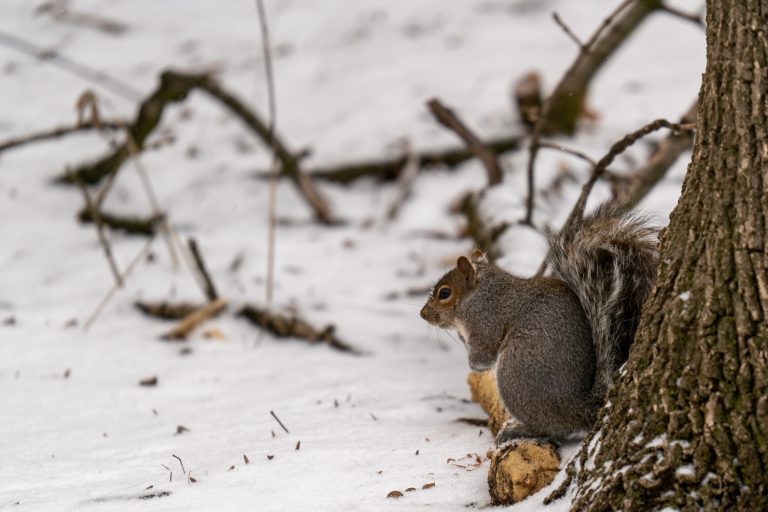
{"x":141,"y":255}
{"x":674,"y":11}
{"x":180,"y":462}
{"x":55,"y":133}
{"x":210,"y":289}
{"x":194,"y":319}
{"x":569,"y":32}
{"x":450,"y":120}
{"x":106,"y":247}
{"x":272,"y":204}
{"x":563,"y":149}
{"x":405,"y":182}
{"x":67,"y":64}
{"x":278,"y":420}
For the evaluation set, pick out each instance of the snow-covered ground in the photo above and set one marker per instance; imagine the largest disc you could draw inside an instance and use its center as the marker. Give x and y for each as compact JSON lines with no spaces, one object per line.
{"x":77,"y":431}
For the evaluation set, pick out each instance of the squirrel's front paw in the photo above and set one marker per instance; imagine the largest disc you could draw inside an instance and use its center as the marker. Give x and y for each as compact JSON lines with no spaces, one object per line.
{"x":513,"y":431}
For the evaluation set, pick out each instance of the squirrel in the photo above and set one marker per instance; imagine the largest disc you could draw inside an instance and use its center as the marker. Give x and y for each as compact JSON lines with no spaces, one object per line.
{"x":556,"y":341}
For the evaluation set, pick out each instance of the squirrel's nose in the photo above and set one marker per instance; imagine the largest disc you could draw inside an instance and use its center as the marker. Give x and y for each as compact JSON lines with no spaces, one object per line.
{"x":422,"y":313}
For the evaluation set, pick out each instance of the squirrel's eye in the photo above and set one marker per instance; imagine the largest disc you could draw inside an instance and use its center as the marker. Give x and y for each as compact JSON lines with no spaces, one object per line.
{"x":444,"y":293}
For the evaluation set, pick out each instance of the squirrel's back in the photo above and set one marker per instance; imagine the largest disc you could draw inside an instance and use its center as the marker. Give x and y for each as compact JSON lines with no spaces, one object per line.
{"x":609,"y":261}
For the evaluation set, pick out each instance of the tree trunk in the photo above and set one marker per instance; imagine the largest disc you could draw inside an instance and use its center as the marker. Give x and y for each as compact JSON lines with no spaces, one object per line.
{"x":687,"y":424}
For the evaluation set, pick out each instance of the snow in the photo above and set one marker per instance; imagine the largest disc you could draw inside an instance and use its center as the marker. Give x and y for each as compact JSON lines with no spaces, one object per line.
{"x":686,"y":470}
{"x":684,"y":296}
{"x":78,"y":432}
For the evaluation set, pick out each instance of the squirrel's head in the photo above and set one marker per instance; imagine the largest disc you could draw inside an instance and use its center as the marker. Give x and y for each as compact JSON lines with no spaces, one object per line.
{"x":440,"y":309}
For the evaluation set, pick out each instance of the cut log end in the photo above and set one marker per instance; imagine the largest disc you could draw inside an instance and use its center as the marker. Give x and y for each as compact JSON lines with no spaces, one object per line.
{"x":521,"y":469}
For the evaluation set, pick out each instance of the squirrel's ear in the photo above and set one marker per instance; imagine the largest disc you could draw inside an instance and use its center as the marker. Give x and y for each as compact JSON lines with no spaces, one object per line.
{"x":467,"y":271}
{"x":478,"y":256}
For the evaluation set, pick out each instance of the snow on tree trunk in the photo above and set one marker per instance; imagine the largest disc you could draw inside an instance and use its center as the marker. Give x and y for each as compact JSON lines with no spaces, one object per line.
{"x":687,"y":423}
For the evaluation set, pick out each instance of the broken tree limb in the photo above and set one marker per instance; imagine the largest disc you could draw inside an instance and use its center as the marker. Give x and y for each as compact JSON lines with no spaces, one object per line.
{"x":518,"y":469}
{"x":194,"y":319}
{"x":448,"y":118}
{"x":292,"y":326}
{"x":174,"y":87}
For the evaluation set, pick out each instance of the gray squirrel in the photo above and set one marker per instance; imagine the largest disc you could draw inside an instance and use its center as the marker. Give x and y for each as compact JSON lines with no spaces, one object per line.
{"x":556,"y":341}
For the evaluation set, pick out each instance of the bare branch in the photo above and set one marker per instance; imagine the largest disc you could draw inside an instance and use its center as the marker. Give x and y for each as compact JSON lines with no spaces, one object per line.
{"x":55,"y":133}
{"x":210,"y":289}
{"x":448,"y":118}
{"x":696,"y":18}
{"x":69,"y":65}
{"x":569,"y":32}
{"x":566,"y":150}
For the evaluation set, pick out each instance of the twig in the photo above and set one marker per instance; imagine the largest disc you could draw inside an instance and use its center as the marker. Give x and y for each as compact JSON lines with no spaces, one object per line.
{"x":278,"y":420}
{"x":210,"y":289}
{"x":568,"y":97}
{"x":194,"y":319}
{"x":602,"y":164}
{"x":272,"y":203}
{"x":100,"y":232}
{"x":642,"y":180}
{"x":567,"y":150}
{"x":569,"y":32}
{"x":293,"y":327}
{"x":141,"y":255}
{"x":697,"y":19}
{"x":80,"y":70}
{"x":448,"y":118}
{"x":405,"y":182}
{"x":180,"y":462}
{"x":55,"y":133}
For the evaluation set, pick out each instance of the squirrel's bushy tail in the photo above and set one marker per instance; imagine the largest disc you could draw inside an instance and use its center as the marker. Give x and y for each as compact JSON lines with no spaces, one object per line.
{"x":609,"y":260}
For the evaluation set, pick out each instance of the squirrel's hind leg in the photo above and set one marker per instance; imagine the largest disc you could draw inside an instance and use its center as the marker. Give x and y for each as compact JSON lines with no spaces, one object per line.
{"x":513,"y":430}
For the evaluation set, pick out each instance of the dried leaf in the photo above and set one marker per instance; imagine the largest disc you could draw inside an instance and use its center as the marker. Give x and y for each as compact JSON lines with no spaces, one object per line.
{"x":428,"y":486}
{"x":394,"y":494}
{"x":149,"y":381}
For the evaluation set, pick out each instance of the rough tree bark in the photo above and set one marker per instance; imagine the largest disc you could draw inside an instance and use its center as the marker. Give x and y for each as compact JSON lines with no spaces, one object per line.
{"x":687,"y":423}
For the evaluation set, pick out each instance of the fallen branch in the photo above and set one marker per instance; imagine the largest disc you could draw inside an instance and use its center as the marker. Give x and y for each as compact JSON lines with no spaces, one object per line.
{"x":293,"y":327}
{"x":145,"y":226}
{"x":388,"y":169}
{"x":194,"y":319}
{"x":167,"y":310}
{"x":446,"y":117}
{"x":55,"y":133}
{"x":175,"y":87}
